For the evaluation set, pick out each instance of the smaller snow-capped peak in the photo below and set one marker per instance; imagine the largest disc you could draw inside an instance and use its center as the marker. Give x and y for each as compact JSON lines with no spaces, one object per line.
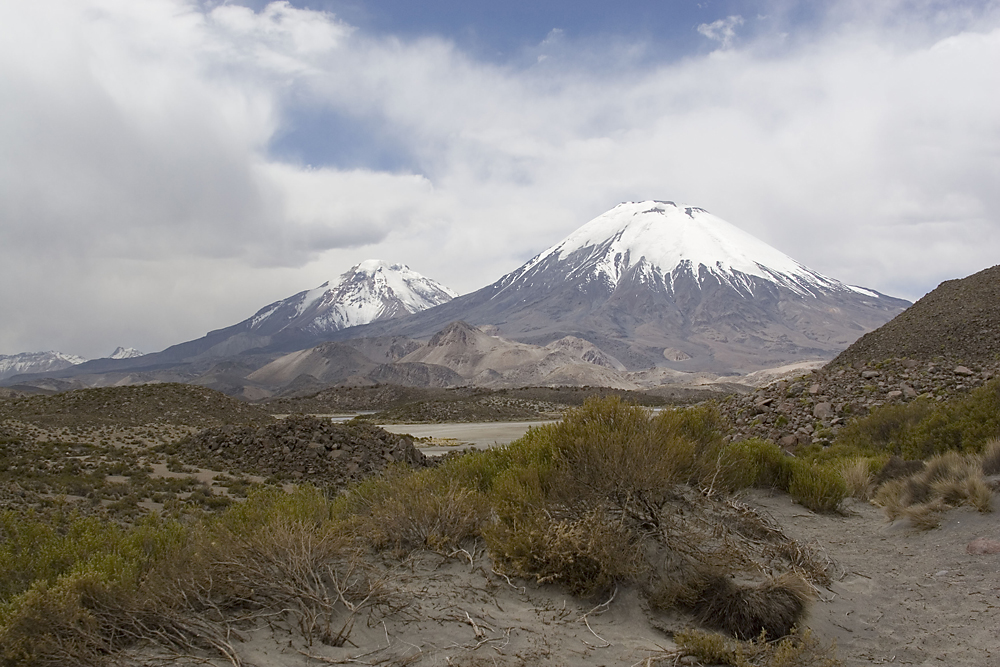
{"x":36,"y":362}
{"x":664,"y":237}
{"x":370,"y":291}
{"x":125,"y":353}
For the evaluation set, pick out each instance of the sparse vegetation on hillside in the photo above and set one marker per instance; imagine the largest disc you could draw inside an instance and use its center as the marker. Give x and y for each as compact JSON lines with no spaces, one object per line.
{"x":168,"y":403}
{"x":922,"y":428}
{"x":610,"y":496}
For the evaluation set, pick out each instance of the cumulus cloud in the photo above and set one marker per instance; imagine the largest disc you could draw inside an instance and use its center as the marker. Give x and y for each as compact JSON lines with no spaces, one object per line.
{"x":139,"y":194}
{"x":722,"y":31}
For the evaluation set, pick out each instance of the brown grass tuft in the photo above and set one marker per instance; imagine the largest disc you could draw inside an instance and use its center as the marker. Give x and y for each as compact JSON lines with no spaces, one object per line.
{"x":948,"y":480}
{"x":991,"y":458}
{"x":771,"y":610}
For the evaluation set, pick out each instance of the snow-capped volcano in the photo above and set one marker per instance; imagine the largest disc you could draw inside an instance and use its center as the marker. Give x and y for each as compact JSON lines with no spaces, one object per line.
{"x":36,"y":362}
{"x":661,"y":240}
{"x":125,"y":353}
{"x":655,"y":283}
{"x":368,"y":292}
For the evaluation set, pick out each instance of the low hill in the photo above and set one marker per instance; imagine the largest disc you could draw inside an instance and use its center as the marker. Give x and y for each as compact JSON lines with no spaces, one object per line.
{"x":167,"y":403}
{"x":958,"y":321}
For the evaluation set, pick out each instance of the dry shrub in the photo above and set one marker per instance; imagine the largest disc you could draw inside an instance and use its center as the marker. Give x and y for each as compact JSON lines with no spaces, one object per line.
{"x":771,"y":610}
{"x":948,"y":480}
{"x":409,"y":510}
{"x":991,"y":458}
{"x":587,"y":555}
{"x":798,"y":650}
{"x":858,"y":477}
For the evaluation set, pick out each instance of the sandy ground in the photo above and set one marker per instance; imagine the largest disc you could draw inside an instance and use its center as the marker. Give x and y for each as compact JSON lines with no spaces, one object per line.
{"x":903,"y":596}
{"x":900,"y":597}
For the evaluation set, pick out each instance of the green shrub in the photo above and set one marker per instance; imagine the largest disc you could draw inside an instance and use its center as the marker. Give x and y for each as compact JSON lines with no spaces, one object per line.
{"x":820,"y":488}
{"x":756,"y":462}
{"x":885,"y":428}
{"x":921,"y":428}
{"x":411,"y":510}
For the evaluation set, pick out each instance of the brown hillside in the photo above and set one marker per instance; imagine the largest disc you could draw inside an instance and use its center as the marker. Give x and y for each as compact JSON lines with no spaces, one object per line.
{"x":167,"y":403}
{"x":958,"y":321}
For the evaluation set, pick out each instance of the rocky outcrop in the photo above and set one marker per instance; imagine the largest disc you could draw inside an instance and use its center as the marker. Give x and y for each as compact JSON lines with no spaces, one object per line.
{"x":812,"y":408}
{"x":304,"y":448}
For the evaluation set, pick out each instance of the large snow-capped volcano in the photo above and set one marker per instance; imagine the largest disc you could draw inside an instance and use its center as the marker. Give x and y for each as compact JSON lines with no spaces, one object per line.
{"x":655,"y":283}
{"x":368,"y":292}
{"x":661,"y":240}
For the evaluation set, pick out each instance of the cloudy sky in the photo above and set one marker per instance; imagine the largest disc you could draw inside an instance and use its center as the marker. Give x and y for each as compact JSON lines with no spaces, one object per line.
{"x":168,"y":167}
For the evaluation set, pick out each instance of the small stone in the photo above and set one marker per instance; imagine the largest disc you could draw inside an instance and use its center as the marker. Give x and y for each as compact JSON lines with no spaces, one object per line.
{"x":893,"y":395}
{"x":981,"y":545}
{"x":962,"y":370}
{"x":788,"y":441}
{"x":823,"y":411}
{"x":869,"y":374}
{"x":815,"y":389}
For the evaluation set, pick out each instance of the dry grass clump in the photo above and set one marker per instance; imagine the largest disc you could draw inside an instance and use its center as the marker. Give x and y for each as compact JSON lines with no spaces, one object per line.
{"x":991,"y":457}
{"x":770,"y":610}
{"x":858,"y":477}
{"x":800,"y":649}
{"x":948,"y":480}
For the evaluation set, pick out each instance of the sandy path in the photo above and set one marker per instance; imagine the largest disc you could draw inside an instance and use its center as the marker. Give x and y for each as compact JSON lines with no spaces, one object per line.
{"x":904,"y":597}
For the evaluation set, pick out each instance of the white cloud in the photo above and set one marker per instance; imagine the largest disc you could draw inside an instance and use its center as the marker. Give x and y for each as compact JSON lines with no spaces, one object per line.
{"x":137,"y":193}
{"x":722,"y":31}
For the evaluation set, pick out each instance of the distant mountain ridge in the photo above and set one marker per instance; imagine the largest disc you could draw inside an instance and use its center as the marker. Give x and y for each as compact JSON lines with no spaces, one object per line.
{"x":36,"y":362}
{"x":370,"y":291}
{"x":647,"y":293}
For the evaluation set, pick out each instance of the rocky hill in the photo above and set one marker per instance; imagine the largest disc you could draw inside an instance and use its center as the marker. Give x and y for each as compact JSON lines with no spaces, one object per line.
{"x":301,"y":448}
{"x":167,"y":403}
{"x":958,"y":321}
{"x":812,"y":408}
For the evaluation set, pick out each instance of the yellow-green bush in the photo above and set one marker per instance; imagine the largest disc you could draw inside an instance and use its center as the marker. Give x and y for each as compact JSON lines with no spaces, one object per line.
{"x":821,"y":488}
{"x":921,"y":428}
{"x":426,"y":509}
{"x":800,"y":649}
